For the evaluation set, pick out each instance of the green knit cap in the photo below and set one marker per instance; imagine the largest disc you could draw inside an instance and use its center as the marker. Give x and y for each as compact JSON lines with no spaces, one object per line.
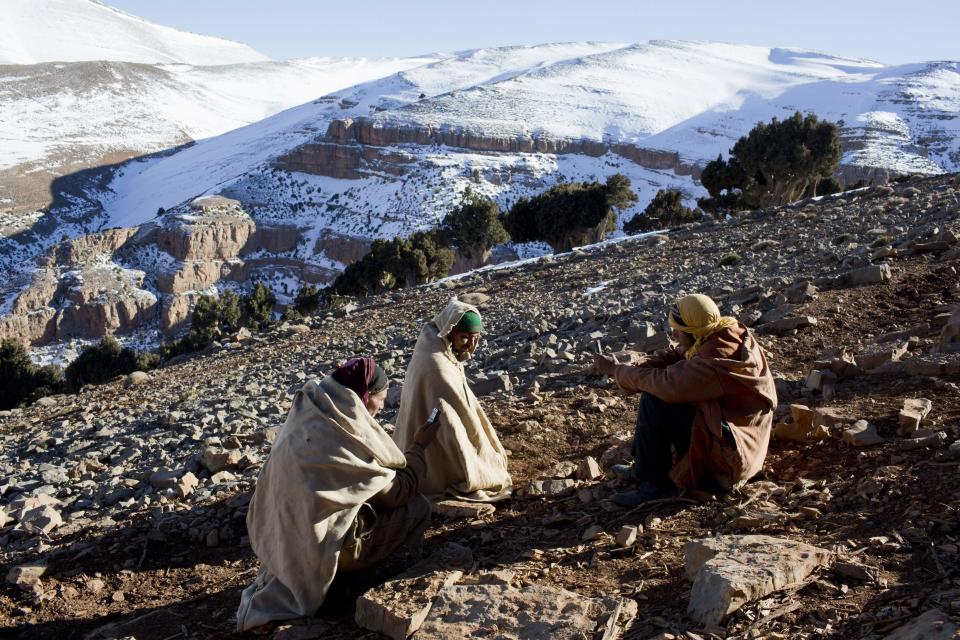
{"x":470,"y":322}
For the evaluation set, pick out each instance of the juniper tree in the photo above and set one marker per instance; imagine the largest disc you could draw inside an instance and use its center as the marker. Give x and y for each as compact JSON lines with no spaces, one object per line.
{"x":776,"y":163}
{"x":474,"y":226}
{"x":571,"y":213}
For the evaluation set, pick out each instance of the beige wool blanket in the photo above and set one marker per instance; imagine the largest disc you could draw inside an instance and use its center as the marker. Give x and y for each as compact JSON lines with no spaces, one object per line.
{"x":466,"y":459}
{"x":329,"y":458}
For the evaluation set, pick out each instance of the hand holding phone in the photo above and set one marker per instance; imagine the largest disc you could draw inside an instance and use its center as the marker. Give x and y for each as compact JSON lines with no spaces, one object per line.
{"x":428,"y":432}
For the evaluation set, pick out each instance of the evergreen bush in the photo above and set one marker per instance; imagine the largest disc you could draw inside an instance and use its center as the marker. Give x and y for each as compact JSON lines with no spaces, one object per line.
{"x":307,"y":300}
{"x":570,"y":214}
{"x":474,"y":226}
{"x":258,"y":306}
{"x":775,"y":164}
{"x":396,"y":263}
{"x":22,"y":381}
{"x":101,"y":362}
{"x":665,"y":210}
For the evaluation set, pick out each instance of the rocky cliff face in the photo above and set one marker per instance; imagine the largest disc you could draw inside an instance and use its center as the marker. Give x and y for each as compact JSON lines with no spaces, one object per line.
{"x":119,"y":280}
{"x":352,"y":144}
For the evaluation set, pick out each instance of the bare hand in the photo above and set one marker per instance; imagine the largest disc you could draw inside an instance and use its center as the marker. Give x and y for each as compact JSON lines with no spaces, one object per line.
{"x":604,"y":365}
{"x":427,"y":433}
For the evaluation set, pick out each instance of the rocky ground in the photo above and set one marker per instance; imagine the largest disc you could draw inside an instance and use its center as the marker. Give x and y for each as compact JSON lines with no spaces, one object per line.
{"x":122,"y":508}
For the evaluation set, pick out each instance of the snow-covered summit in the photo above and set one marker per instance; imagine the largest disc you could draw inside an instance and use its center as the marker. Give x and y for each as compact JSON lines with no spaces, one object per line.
{"x":35,"y":31}
{"x":694,"y":99}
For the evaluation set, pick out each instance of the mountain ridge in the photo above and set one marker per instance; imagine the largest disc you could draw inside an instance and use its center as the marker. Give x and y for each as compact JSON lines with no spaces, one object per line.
{"x":36,"y":31}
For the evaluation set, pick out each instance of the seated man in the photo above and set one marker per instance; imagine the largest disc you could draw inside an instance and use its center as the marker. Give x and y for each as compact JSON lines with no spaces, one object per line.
{"x":712,"y":399}
{"x":335,"y":493}
{"x":467,"y":460}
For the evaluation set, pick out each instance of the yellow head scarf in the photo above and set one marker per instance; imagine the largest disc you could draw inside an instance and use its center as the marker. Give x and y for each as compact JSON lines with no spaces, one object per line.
{"x":698,"y":316}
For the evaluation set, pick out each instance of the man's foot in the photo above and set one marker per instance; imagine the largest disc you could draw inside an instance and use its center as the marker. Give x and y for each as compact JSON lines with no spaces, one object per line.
{"x":645,"y":492}
{"x":623,"y":472}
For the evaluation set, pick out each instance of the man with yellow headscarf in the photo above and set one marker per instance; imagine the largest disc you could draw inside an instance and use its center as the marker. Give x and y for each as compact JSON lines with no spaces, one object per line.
{"x":711,"y":399}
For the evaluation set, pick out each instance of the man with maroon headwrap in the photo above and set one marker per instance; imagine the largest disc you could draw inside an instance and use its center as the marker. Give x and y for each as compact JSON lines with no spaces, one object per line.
{"x":335,"y":494}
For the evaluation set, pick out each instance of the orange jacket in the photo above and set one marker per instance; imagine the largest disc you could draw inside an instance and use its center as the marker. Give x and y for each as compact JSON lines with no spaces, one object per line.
{"x":728,"y":380}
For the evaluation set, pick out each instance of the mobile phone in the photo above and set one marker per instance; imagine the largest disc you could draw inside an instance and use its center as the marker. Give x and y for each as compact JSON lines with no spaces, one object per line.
{"x":434,"y":416}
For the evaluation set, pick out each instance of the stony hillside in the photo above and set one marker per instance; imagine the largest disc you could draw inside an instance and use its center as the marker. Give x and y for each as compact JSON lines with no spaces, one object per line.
{"x":127,"y":502}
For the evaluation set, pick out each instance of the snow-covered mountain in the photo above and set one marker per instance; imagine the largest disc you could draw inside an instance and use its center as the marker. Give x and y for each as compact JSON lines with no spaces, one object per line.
{"x":58,"y":118}
{"x":35,"y":31}
{"x":661,"y":105}
{"x":388,"y":149}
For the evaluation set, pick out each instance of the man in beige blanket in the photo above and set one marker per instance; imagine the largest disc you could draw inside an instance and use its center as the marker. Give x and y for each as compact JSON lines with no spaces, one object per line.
{"x":336,"y":494}
{"x":467,"y":459}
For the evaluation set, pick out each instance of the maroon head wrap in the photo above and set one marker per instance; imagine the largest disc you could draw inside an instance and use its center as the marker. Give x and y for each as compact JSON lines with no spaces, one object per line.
{"x":362,"y":376}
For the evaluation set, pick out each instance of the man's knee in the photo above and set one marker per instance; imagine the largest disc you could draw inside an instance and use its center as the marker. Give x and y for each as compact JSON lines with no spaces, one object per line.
{"x":654,"y":410}
{"x":651,"y":403}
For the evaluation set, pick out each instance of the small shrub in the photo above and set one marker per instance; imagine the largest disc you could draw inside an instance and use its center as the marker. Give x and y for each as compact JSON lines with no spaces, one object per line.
{"x":213,"y":316}
{"x":230,"y":311}
{"x":829,"y":186}
{"x":258,"y":306}
{"x":205,"y":322}
{"x":106,"y":360}
{"x":665,"y":210}
{"x":881,"y":241}
{"x":730,"y":259}
{"x":21,"y":380}
{"x":776,"y":162}
{"x":307,"y":300}
{"x":292,"y":315}
{"x":570,"y":214}
{"x":396,"y":263}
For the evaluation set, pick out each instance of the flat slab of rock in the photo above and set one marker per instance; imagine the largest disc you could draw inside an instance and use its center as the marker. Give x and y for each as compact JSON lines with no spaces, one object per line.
{"x":866,"y":275}
{"x":862,"y":434}
{"x":499,"y":382}
{"x":398,"y":607}
{"x":26,"y":576}
{"x":933,"y":364}
{"x":536,"y":612}
{"x":784,"y":325}
{"x":802,"y":426}
{"x":44,"y":518}
{"x":932,"y":625}
{"x":551,"y":488}
{"x":460,"y":509}
{"x":730,"y":571}
{"x":875,"y":355}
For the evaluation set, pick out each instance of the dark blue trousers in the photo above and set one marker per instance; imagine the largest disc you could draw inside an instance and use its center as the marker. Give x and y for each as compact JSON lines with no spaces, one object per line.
{"x":660,"y":427}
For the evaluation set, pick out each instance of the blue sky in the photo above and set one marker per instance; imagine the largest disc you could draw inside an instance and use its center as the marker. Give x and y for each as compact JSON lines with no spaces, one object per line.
{"x":892,"y":31}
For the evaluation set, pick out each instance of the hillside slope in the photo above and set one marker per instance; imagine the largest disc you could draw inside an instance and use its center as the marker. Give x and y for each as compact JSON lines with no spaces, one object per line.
{"x":35,"y":31}
{"x":861,"y":288}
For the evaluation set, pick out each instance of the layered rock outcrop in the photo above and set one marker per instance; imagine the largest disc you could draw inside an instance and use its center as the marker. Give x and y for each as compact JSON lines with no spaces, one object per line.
{"x":351,"y":146}
{"x":347,"y":161}
{"x":119,"y":280}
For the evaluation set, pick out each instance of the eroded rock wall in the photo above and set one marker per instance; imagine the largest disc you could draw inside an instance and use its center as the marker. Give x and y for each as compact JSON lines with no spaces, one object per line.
{"x":119,"y":280}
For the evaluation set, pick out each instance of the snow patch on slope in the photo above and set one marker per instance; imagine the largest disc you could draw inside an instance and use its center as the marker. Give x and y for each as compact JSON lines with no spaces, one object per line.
{"x":54,"y":110}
